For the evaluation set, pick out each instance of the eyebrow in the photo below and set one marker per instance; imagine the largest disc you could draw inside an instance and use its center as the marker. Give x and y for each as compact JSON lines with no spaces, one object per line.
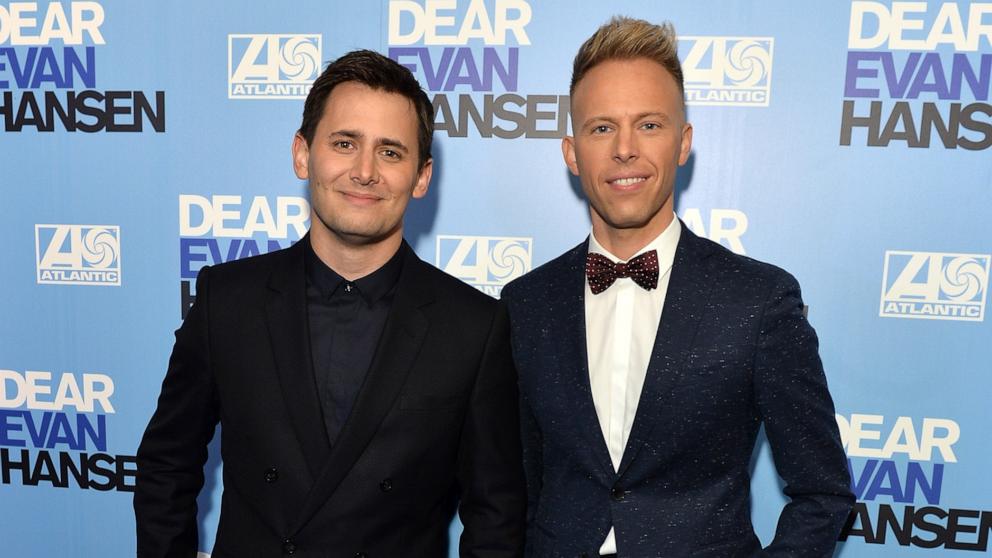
{"x":660,"y":115}
{"x":386,"y":142}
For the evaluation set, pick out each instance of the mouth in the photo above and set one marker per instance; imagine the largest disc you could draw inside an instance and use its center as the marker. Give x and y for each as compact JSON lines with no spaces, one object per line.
{"x":361,"y":198}
{"x":626,"y":182}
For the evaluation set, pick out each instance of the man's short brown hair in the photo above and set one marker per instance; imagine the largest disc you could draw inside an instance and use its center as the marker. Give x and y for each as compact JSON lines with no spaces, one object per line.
{"x":377,"y":72}
{"x":625,"y":38}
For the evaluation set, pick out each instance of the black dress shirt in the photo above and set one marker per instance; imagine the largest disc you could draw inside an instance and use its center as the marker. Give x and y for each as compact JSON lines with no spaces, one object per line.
{"x":346,"y":319}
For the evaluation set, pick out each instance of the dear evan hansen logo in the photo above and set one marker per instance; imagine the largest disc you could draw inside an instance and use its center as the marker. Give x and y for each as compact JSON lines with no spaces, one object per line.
{"x":53,"y":432}
{"x":727,"y":71}
{"x":49,"y":69}
{"x":272,"y":66}
{"x":935,"y":286}
{"x":485,"y":262}
{"x":78,"y":254}
{"x":899,"y":467}
{"x":467,"y":53}
{"x":918,"y":74}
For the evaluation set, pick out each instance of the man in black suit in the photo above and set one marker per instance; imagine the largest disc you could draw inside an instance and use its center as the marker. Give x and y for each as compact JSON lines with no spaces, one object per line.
{"x":648,"y":357}
{"x":359,"y":389}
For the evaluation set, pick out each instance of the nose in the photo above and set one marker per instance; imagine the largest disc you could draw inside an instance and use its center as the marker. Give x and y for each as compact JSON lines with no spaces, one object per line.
{"x":625,"y":146}
{"x":364,"y":170}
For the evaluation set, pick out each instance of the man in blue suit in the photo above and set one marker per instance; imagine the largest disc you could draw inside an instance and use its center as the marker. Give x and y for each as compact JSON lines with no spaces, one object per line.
{"x":648,"y":357}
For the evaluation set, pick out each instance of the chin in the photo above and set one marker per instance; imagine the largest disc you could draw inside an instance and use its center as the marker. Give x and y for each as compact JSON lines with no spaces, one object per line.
{"x":629,"y":225}
{"x":627,"y":221}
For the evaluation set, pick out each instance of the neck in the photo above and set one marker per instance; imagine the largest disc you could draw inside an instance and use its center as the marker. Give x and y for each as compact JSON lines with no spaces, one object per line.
{"x":624,"y":243}
{"x":352,"y":260}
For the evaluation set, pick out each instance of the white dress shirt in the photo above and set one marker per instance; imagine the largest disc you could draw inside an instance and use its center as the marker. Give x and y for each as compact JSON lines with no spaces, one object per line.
{"x":621,"y":323}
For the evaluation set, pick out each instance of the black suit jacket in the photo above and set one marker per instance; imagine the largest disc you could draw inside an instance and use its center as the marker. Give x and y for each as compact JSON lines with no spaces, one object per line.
{"x":733,"y":351}
{"x":436,"y":417}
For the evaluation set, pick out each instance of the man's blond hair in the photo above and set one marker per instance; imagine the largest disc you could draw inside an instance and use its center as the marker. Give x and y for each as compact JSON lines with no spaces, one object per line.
{"x":625,"y":38}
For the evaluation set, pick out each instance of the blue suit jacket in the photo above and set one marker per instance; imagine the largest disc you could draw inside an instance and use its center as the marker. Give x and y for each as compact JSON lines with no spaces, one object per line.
{"x":733,"y":351}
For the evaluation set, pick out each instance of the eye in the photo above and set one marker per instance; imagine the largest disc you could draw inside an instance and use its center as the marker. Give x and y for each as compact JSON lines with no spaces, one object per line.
{"x":600,"y":129}
{"x":651,"y":126}
{"x":343,"y":144}
{"x":390,"y":153}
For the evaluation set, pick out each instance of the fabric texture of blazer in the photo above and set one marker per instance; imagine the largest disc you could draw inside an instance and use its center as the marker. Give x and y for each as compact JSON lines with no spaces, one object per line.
{"x":733,"y":351}
{"x":436,"y":419}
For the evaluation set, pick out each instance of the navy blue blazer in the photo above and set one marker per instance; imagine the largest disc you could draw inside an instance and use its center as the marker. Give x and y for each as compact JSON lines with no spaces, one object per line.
{"x":733,"y":351}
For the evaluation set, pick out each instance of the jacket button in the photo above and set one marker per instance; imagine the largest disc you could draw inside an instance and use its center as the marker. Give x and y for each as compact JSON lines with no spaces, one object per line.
{"x":616,"y":493}
{"x":288,"y":547}
{"x":386,"y":485}
{"x":271,"y":475}
{"x":361,"y":555}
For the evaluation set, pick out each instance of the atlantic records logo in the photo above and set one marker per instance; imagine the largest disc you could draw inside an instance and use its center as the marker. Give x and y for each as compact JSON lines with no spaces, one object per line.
{"x":268,"y":66}
{"x":727,"y":71}
{"x":78,"y":254}
{"x":934,"y":286}
{"x":485,"y":262}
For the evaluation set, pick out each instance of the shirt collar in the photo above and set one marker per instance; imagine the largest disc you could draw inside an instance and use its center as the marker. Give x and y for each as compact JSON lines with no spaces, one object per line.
{"x":372,"y":287}
{"x":665,"y":243}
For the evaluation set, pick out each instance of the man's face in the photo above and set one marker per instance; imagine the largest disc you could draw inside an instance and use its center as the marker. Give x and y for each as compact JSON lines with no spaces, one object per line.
{"x":362,"y":165}
{"x":630,"y":135}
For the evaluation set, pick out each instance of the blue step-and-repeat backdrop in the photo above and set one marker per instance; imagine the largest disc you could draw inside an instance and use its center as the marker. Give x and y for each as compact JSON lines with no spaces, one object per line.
{"x":848,"y":142}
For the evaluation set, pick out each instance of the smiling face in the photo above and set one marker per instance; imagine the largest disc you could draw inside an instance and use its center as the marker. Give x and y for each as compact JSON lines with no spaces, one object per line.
{"x":362,"y":167}
{"x":630,"y":136}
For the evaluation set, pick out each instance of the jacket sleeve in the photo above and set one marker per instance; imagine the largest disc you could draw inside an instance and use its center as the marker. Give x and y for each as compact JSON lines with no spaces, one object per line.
{"x":490,"y":473}
{"x":174,"y":446}
{"x":798,"y":414}
{"x":530,"y":436}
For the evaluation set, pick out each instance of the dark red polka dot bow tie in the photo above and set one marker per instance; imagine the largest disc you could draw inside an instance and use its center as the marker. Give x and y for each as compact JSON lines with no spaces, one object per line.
{"x":602,"y":272}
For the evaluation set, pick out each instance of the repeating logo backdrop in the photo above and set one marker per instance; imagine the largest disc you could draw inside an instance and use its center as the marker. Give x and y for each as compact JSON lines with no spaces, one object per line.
{"x":850,"y":147}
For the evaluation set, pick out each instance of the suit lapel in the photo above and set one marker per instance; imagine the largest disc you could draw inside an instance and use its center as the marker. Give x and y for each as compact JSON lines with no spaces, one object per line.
{"x":402,"y":336}
{"x":569,"y":318}
{"x":685,"y":304}
{"x":286,"y":312}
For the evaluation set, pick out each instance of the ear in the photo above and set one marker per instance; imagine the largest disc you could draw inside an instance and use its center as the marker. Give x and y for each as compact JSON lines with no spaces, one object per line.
{"x":423,"y":179}
{"x":686,"y":146}
{"x":301,"y":157}
{"x":568,"y":152}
